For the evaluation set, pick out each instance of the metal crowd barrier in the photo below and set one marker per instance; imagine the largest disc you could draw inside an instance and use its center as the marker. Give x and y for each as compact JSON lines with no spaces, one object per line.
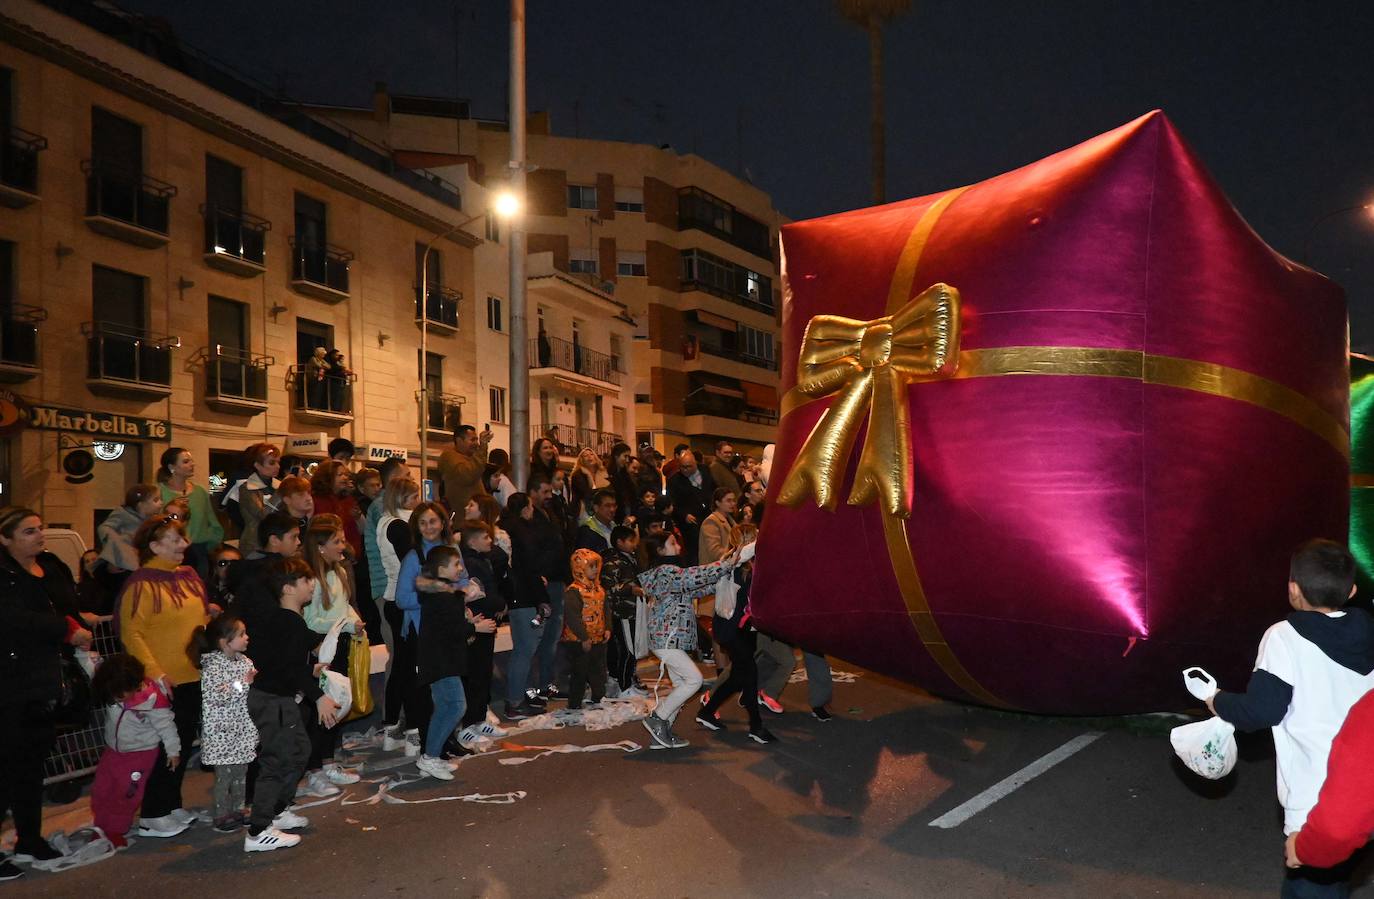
{"x":78,"y":749}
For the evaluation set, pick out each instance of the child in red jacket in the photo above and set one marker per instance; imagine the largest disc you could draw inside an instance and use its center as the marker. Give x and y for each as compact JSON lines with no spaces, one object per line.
{"x":1343,"y":817}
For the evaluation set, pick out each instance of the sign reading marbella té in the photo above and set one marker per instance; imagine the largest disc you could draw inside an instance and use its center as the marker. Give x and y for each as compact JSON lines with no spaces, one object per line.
{"x":99,"y":424}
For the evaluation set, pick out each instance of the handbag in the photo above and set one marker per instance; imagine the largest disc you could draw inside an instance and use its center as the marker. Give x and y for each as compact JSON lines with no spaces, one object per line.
{"x":359,"y":677}
{"x":73,"y":705}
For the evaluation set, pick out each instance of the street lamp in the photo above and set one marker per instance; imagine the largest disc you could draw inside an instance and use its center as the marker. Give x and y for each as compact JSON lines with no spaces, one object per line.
{"x":519,"y":395}
{"x":1312,"y":229}
{"x":503,"y":209}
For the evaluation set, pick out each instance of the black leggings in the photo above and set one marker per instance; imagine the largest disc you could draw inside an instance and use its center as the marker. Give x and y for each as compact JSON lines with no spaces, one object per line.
{"x":477,"y":682}
{"x":26,"y":739}
{"x":403,"y":687}
{"x":324,"y":741}
{"x":620,"y":657}
{"x":163,"y":793}
{"x":743,"y":677}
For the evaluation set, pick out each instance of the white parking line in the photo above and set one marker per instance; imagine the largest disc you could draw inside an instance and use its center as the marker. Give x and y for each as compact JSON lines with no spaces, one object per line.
{"x":959,"y":815}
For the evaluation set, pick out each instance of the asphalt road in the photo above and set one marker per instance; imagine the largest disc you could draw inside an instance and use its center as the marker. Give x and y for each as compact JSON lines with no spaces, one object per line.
{"x":835,"y":809}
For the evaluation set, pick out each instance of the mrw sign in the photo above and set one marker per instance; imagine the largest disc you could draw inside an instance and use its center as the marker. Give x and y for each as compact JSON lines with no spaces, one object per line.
{"x":99,"y":424}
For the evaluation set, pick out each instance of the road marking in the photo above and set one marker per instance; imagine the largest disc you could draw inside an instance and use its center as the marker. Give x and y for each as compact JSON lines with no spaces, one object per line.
{"x":1004,"y":788}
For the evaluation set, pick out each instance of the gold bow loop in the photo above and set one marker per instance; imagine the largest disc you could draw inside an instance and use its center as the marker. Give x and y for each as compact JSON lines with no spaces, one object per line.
{"x":869,"y":364}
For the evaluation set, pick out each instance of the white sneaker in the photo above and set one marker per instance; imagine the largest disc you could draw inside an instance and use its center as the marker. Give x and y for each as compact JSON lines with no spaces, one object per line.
{"x":487,"y":729}
{"x":412,"y":743}
{"x":437,"y":768}
{"x":289,"y":820}
{"x":468,"y":738}
{"x":316,"y":784}
{"x":635,"y":692}
{"x":166,"y":826}
{"x":269,"y":839}
{"x":184,"y":815}
{"x":339,"y":776}
{"x":393,"y":738}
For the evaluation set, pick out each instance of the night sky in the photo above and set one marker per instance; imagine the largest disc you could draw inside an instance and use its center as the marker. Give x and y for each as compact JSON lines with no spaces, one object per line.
{"x":1277,"y":97}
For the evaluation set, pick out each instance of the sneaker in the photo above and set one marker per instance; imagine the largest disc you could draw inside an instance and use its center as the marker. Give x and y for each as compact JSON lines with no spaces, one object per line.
{"x":339,"y":776}
{"x":166,"y":826}
{"x":317,"y":784}
{"x":536,"y":699}
{"x":437,"y":768}
{"x":635,"y":692}
{"x":551,"y":692}
{"x":36,"y":852}
{"x":269,"y":839}
{"x":185,"y":816}
{"x":489,"y":730}
{"x":676,"y":742}
{"x":289,"y":820}
{"x":762,"y":735}
{"x":770,"y":703}
{"x":821,"y":713}
{"x":468,"y":738}
{"x":412,"y":743}
{"x":229,"y":824}
{"x":519,"y":712}
{"x":710,"y":721}
{"x":393,"y":738}
{"x":10,"y":871}
{"x":660,"y":730}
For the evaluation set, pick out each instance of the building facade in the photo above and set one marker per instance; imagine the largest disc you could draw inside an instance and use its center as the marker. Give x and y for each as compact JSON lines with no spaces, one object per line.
{"x":175,"y":244}
{"x":688,"y":249}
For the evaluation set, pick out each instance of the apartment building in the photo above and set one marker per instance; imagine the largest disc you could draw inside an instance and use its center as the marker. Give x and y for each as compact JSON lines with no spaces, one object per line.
{"x":176,"y":242}
{"x":688,"y":249}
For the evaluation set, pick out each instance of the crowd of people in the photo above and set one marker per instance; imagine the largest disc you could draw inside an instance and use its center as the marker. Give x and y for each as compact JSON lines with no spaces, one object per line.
{"x":227,"y":644}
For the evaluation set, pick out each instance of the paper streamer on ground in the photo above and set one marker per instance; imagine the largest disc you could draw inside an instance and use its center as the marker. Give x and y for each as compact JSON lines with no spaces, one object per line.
{"x":566,"y":748}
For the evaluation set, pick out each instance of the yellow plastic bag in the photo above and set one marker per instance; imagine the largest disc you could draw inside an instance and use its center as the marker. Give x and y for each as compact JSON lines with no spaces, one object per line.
{"x":359,"y":672}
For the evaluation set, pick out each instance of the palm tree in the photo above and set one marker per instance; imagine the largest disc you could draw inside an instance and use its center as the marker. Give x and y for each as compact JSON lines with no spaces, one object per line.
{"x":872,"y":15}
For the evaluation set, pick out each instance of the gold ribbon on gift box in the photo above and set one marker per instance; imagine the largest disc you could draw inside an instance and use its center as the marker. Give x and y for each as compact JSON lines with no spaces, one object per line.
{"x":869,"y":365}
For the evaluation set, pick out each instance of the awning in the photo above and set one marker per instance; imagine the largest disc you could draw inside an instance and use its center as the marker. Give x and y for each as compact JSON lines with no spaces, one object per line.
{"x":760,"y":396}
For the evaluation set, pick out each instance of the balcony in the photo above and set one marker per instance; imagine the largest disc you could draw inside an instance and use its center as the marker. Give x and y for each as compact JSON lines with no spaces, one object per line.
{"x":327,"y":400}
{"x":127,"y":206}
{"x":572,"y":440}
{"x":558,"y":358}
{"x":19,"y":167}
{"x":320,"y":271}
{"x":696,"y":209}
{"x":445,"y":412}
{"x":235,"y":379}
{"x":19,"y":341}
{"x":721,"y":352}
{"x":720,"y":277}
{"x":441,"y":308}
{"x":125,"y":361}
{"x":235,"y":241}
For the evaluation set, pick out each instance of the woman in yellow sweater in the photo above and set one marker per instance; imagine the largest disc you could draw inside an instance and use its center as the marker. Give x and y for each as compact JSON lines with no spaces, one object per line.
{"x":161,"y":604}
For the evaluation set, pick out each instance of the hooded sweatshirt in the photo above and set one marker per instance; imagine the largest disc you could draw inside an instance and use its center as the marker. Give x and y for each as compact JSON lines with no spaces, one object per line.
{"x":141,"y":722}
{"x":1312,"y":667}
{"x":586,"y":612}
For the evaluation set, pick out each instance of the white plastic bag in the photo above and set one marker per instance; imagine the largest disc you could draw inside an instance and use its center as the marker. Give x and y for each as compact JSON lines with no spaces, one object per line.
{"x":1198,"y":682}
{"x":641,"y":628}
{"x":338,"y":688}
{"x":727,"y":592}
{"x":329,"y":646}
{"x":1208,"y":747}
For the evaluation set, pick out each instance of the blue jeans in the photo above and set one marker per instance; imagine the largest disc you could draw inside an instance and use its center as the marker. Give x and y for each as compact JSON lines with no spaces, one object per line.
{"x":449,"y":704}
{"x":524,"y":642}
{"x":548,"y":643}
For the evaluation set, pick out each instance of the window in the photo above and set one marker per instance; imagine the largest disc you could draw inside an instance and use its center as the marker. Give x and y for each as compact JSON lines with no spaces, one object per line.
{"x":228,"y":323}
{"x":497,"y":396}
{"x":433,"y":373}
{"x":310,"y":335}
{"x":310,"y":222}
{"x":581,"y":196}
{"x":118,"y":298}
{"x":494,"y":320}
{"x":7,"y":275}
{"x":629,"y":199}
{"x":617,"y":355}
{"x":116,"y":143}
{"x":434,"y":265}
{"x":582,"y":262}
{"x":223,"y":185}
{"x":756,"y":343}
{"x":629,"y":264}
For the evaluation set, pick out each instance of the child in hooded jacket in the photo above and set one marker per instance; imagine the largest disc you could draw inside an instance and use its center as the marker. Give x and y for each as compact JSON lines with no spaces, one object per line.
{"x":586,"y":628}
{"x":138,"y":716}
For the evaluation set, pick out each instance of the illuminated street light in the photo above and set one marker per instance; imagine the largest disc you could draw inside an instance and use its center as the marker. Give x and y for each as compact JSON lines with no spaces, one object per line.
{"x":506,"y":205}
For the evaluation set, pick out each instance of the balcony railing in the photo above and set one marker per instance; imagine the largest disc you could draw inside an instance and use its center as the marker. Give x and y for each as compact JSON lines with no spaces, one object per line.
{"x":329,"y":397}
{"x":324,"y":267}
{"x":19,"y":160}
{"x":444,"y":412}
{"x":572,"y":440}
{"x":706,"y":272}
{"x":19,"y":339}
{"x":235,"y":237}
{"x":705,"y":212}
{"x":441,"y":308}
{"x":747,"y":358}
{"x":554,"y":352}
{"x":235,"y":378}
{"x":128,"y":197}
{"x":120,"y":355}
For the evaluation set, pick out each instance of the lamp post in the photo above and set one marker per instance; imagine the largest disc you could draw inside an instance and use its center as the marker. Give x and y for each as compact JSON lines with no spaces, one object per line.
{"x":519,"y":396}
{"x":1312,"y":229}
{"x":424,"y":340}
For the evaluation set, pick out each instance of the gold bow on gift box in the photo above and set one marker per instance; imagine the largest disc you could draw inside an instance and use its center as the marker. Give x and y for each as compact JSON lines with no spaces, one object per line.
{"x":870,"y":365}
